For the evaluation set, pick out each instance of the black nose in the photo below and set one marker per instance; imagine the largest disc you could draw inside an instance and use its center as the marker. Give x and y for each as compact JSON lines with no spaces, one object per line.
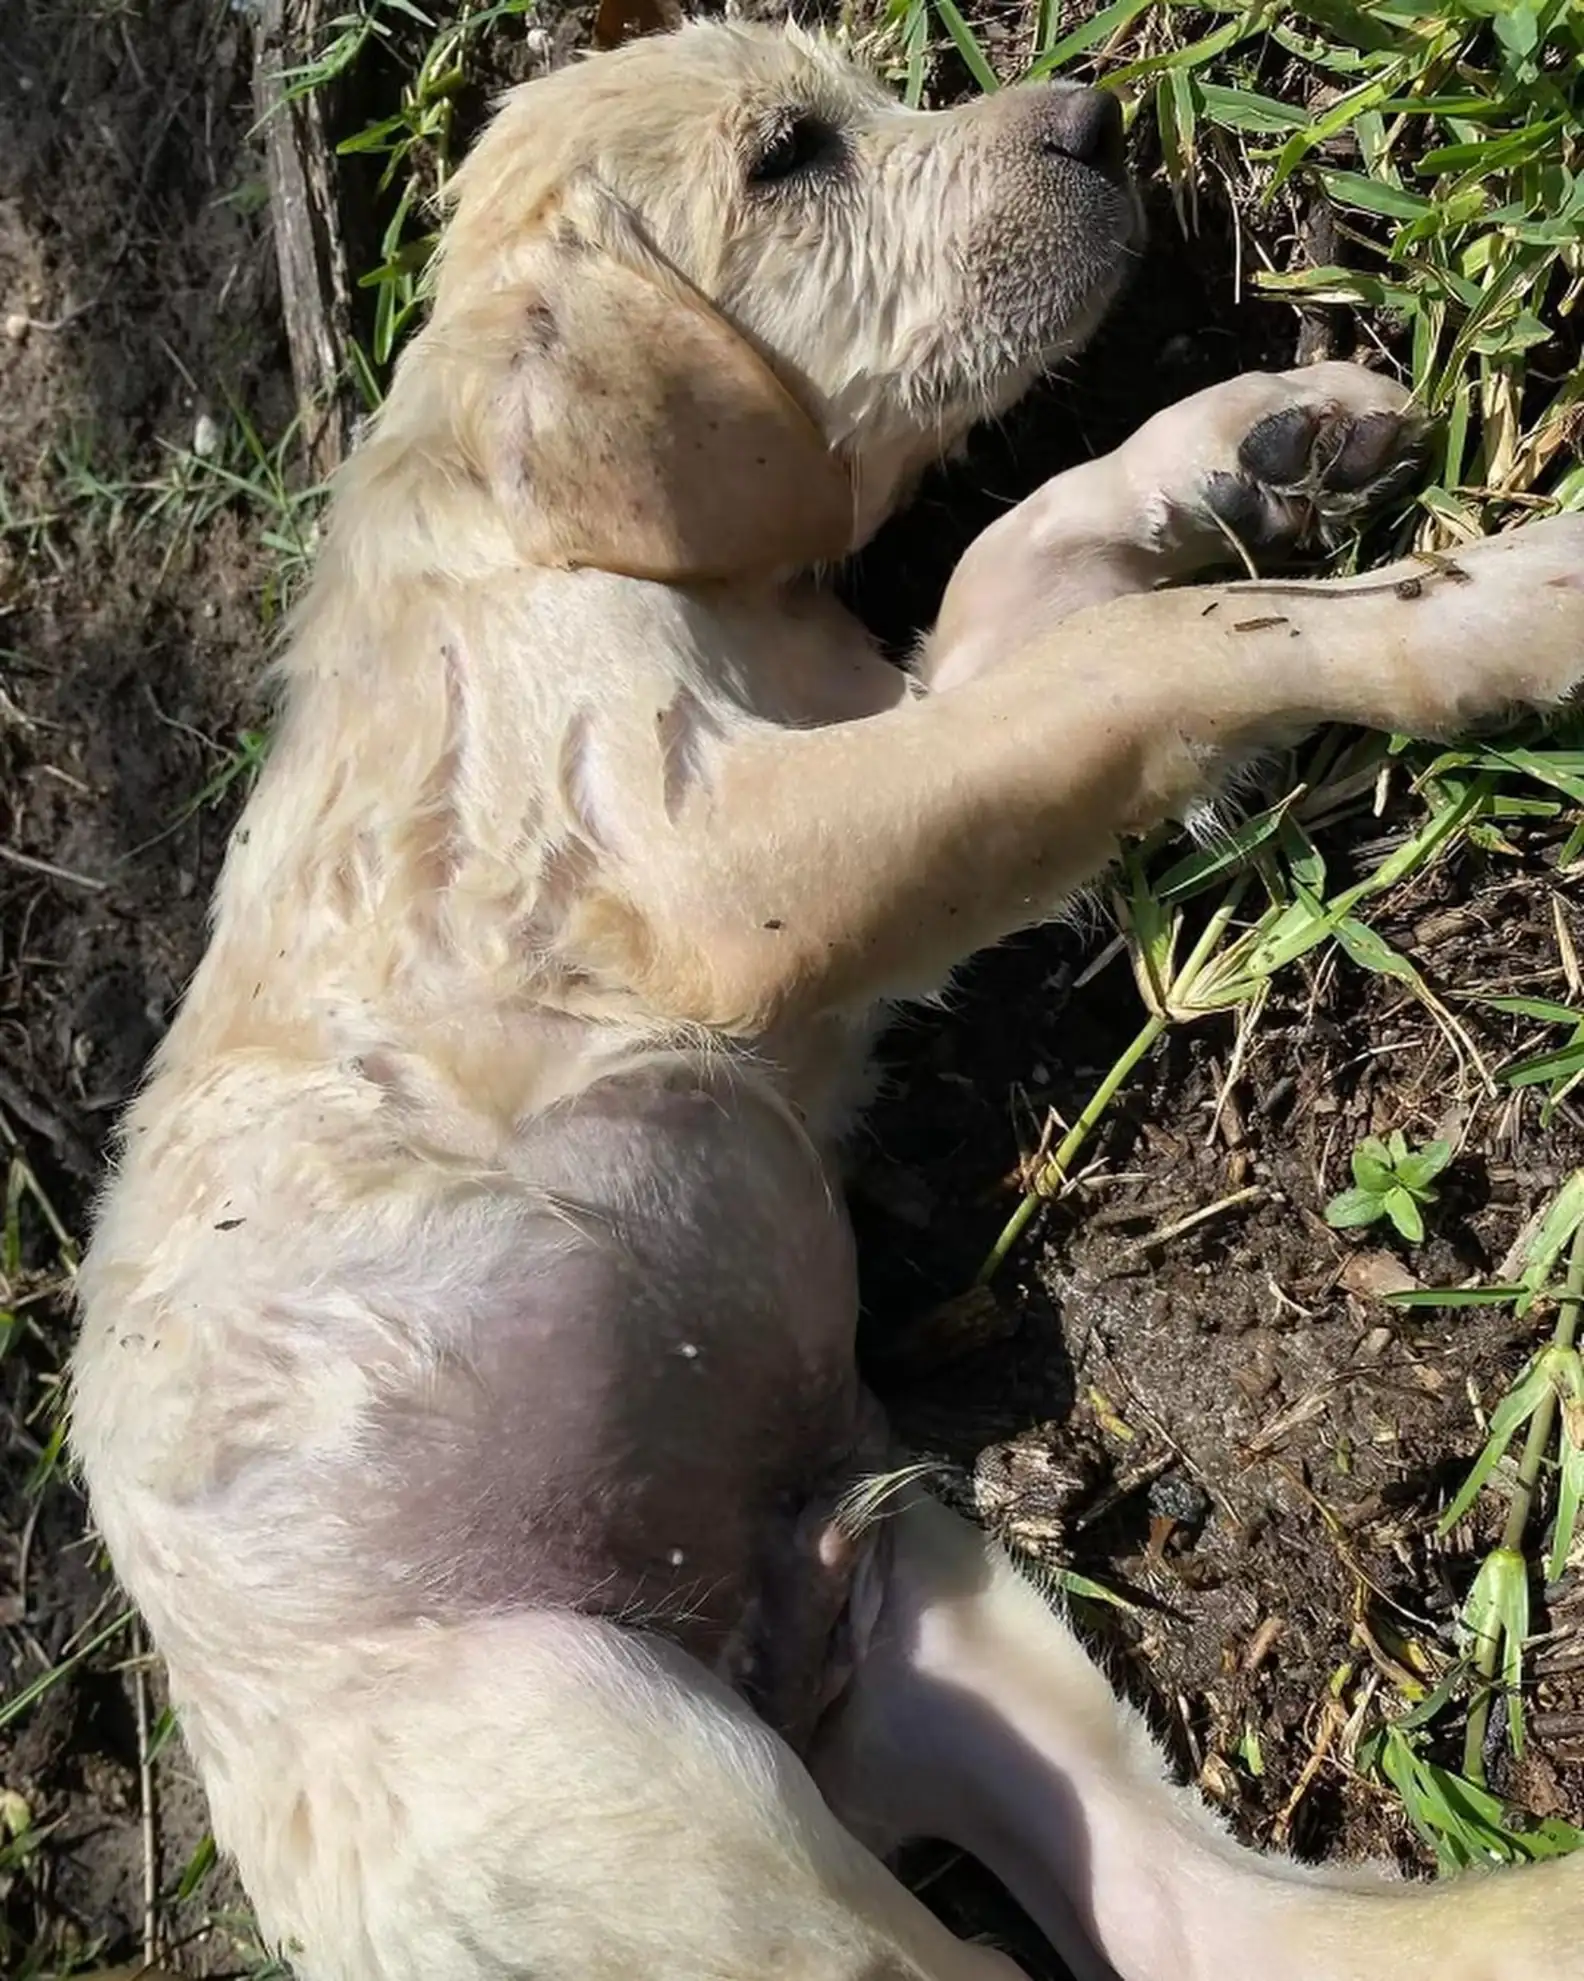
{"x":1085,"y":124}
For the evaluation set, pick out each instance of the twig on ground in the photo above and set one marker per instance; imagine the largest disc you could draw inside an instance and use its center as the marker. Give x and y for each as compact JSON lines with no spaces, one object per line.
{"x":34,"y":865}
{"x":1163,"y":1234}
{"x":146,"y":1808}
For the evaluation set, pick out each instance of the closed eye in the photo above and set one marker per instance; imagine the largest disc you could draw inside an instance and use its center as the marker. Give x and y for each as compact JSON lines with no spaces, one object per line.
{"x":800,"y":146}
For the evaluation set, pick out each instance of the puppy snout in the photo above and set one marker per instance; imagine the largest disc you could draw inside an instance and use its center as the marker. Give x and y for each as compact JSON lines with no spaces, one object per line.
{"x":1084,"y":125}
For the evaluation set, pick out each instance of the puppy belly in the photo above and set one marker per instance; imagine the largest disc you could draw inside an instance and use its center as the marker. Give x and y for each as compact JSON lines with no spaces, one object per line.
{"x":653,"y":1405}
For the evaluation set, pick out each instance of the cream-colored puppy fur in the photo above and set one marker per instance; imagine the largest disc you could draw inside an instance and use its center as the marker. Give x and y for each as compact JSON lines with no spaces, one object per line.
{"x":466,"y":1382}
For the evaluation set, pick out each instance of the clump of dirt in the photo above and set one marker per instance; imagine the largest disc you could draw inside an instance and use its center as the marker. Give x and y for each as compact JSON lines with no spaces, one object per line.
{"x":1217,"y":1419}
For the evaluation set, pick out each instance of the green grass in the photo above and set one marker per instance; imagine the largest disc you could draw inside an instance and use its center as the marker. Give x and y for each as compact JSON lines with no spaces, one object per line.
{"x":415,"y":143}
{"x":1448,"y":143}
{"x":1546,"y":1404}
{"x":169,"y":503}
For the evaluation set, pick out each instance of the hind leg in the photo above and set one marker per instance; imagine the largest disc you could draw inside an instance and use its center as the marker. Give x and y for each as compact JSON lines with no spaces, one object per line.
{"x":542,"y":1797}
{"x":975,"y":1716}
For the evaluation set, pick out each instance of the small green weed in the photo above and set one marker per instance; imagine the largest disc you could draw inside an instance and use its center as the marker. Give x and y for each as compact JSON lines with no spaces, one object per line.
{"x":1390,"y":1180}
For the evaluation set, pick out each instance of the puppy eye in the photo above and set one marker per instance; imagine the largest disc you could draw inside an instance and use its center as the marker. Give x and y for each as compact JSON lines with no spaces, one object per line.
{"x":799,"y":146}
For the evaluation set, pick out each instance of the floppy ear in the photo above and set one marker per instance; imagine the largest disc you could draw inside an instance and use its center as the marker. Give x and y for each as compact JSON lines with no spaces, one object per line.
{"x":645,"y":435}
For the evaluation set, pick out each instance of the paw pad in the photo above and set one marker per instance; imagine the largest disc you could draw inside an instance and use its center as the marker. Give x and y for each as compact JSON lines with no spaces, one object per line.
{"x":1305,"y":472}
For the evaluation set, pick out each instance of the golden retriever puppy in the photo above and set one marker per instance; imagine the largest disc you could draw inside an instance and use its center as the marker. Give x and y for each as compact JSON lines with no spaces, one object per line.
{"x":466,"y":1384}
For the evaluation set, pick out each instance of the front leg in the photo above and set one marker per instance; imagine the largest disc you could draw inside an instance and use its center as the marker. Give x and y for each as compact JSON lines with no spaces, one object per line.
{"x":1270,"y":463}
{"x":810,"y":872}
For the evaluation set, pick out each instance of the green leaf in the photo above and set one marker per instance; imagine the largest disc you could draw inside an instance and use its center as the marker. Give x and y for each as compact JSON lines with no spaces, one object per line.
{"x":1176,"y":116}
{"x":1466,"y":1826}
{"x":1553,"y":767}
{"x":1544,"y":1008}
{"x":1570,"y":1491}
{"x":373,"y":137}
{"x":203,"y":1860}
{"x":1562,"y":1219}
{"x":1332,"y":284}
{"x":1371,"y":951}
{"x":1358,"y":26}
{"x":1424,"y":1165}
{"x":1351,"y":1208}
{"x":1047,"y":24}
{"x":967,"y":46}
{"x":1521,"y":332}
{"x":1488,"y":155}
{"x":1456,"y":1296}
{"x":1404,"y":1212}
{"x":1336,"y":118}
{"x":1517,"y":28}
{"x":1095,"y":1592}
{"x":19,"y":1702}
{"x":1545,"y":1067}
{"x":1305,"y":862}
{"x":1152,"y":931}
{"x":408,"y":259}
{"x":1246,"y":110}
{"x":1099,"y":27}
{"x":1374,"y":195}
{"x":1191,"y":875}
{"x":161,"y":1733}
{"x":1291,"y":933}
{"x":1507,"y":1419}
{"x":915,"y":41}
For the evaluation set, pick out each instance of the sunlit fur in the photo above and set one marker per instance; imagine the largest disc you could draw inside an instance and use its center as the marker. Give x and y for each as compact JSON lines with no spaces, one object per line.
{"x":475,"y":1285}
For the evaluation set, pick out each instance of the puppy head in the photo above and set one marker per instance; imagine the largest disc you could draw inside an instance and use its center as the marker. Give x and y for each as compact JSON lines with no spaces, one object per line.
{"x":721,"y":297}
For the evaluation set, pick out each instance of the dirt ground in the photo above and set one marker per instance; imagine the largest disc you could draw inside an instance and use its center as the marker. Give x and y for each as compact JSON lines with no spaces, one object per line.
{"x":1226,"y":1425}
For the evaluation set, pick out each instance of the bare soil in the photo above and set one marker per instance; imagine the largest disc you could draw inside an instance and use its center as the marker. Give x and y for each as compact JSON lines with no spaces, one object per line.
{"x":1226,"y":1425}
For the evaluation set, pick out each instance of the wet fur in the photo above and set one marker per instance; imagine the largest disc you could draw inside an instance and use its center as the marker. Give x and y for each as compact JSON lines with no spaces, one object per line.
{"x":466,"y":1386}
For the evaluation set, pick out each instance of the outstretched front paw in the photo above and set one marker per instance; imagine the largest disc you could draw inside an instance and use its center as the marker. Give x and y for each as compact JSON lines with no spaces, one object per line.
{"x":1307,"y":470}
{"x":1277,"y":461}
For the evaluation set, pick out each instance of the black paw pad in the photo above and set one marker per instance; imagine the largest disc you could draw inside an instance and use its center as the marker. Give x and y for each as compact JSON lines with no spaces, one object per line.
{"x":1242,"y":506}
{"x":1368,"y":452}
{"x":1278,"y":450}
{"x":1305,"y":472}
